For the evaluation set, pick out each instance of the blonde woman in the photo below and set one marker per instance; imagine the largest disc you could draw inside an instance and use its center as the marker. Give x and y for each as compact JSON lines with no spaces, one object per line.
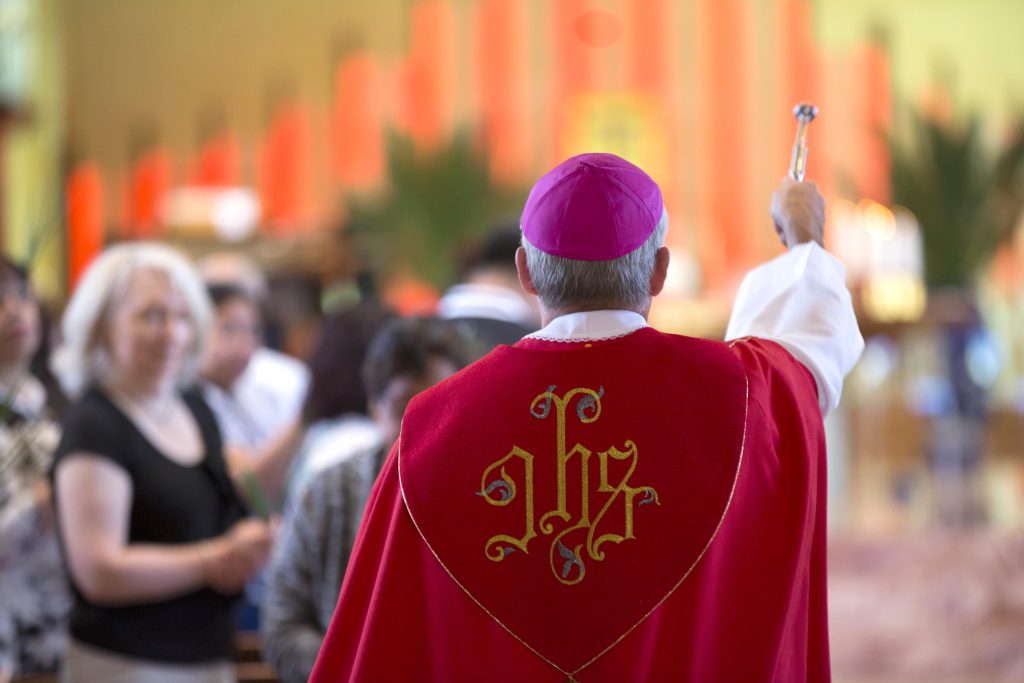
{"x":156,"y":537}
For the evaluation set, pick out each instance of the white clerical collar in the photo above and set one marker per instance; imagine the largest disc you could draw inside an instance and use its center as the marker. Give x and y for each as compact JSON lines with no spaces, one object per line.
{"x":590,"y":326}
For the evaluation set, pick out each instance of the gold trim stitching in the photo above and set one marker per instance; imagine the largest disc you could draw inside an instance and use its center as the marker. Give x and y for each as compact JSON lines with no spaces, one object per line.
{"x":728,"y":504}
{"x":412,"y":517}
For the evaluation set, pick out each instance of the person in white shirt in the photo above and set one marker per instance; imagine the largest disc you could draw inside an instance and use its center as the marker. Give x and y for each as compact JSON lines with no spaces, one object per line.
{"x":260,"y":398}
{"x":488,"y":307}
{"x":255,"y":393}
{"x":234,"y":336}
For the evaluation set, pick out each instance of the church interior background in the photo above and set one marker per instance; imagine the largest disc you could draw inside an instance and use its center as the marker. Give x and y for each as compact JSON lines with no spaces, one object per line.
{"x":267,"y":126}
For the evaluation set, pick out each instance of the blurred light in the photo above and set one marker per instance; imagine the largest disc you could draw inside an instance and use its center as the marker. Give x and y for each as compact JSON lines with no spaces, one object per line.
{"x":894,"y":298}
{"x":879,"y":360}
{"x":844,"y":214}
{"x":881,"y":248}
{"x":983,"y":359}
{"x":683,"y":273}
{"x":235,"y":214}
{"x":847,"y":240}
{"x":909,"y":255}
{"x":931,"y":395}
{"x":232,"y":213}
{"x":878,"y":219}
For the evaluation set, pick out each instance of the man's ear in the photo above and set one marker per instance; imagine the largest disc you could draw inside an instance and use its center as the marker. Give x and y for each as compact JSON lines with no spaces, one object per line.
{"x":525,"y":281}
{"x":660,"y":272}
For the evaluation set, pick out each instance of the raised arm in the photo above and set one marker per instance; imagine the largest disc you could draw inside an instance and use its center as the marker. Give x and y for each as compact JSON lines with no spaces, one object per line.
{"x":799,"y":299}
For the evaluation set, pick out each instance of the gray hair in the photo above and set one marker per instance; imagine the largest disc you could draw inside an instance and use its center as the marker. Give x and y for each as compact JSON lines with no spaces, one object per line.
{"x":82,"y":357}
{"x":566,"y":284}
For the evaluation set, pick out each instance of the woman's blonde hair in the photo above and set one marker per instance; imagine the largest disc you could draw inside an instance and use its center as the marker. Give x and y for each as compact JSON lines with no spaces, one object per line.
{"x":82,"y":357}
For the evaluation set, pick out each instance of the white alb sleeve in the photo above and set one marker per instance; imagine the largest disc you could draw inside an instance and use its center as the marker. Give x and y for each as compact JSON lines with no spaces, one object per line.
{"x":800,"y":300}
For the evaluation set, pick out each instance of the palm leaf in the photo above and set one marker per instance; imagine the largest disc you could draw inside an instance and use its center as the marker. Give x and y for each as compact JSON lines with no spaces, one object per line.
{"x":964,"y":199}
{"x":435,"y":204}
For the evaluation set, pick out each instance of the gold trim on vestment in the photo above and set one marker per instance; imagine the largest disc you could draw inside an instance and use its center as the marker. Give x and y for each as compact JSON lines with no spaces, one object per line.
{"x":571,"y":675}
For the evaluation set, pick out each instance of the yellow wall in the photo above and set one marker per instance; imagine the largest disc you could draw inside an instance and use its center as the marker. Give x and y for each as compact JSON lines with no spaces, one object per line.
{"x":33,"y":204}
{"x":137,"y":64}
{"x":975,"y":47}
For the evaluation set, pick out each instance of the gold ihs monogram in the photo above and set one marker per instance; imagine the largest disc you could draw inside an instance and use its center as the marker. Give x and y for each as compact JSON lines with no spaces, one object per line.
{"x":567,"y":561}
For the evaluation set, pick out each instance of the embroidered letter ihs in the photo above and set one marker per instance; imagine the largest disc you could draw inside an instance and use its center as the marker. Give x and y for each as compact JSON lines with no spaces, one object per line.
{"x":566,"y":556}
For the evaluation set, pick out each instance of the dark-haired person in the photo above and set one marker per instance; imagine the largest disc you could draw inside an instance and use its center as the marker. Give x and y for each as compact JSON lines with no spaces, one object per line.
{"x":335,"y":415}
{"x":488,"y":307}
{"x":235,"y":333}
{"x":34,"y":599}
{"x":273,"y":385}
{"x":234,"y":336}
{"x":307,"y":568}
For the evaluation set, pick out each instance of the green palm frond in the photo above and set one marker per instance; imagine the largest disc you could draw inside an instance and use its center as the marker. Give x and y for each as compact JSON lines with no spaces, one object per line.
{"x":963,"y":196}
{"x":435,"y":203}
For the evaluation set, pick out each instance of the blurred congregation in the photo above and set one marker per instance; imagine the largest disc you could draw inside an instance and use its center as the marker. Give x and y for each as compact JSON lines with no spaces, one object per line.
{"x":170,"y":380}
{"x":238,"y":238}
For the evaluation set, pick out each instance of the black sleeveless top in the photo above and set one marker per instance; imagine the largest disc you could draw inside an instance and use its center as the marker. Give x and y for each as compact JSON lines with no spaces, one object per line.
{"x":171,"y":504}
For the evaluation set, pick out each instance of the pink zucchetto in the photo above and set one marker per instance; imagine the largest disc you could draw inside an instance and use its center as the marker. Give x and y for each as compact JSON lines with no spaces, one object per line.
{"x":592,"y":207}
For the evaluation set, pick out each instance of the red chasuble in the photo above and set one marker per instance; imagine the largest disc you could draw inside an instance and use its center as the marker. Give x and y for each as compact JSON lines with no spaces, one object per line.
{"x":645,"y":508}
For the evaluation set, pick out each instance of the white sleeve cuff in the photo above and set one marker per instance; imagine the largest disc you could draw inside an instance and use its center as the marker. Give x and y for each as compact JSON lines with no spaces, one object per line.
{"x":800,"y":300}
